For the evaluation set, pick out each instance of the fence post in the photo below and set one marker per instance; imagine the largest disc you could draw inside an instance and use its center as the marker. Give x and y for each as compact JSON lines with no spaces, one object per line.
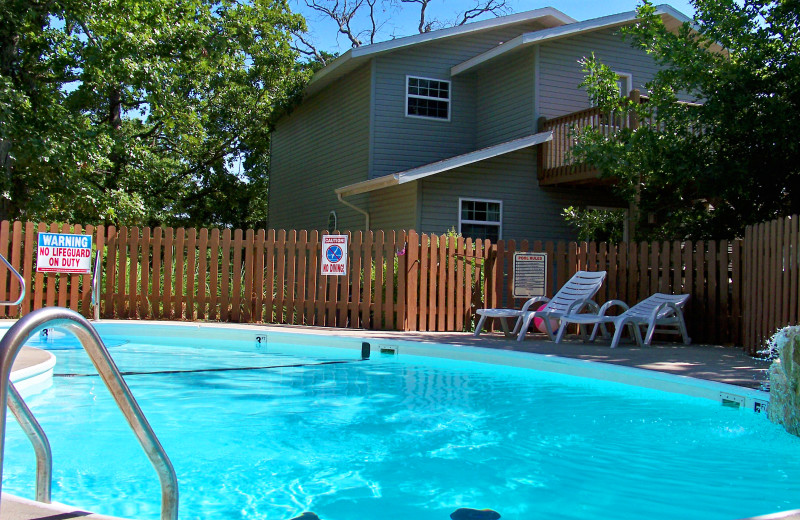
{"x":411,"y":270}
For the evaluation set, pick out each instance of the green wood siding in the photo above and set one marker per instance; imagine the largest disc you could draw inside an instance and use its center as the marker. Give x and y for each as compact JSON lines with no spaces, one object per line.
{"x":505,"y":94}
{"x":529,"y":212}
{"x":322,"y":145}
{"x":560,"y":73}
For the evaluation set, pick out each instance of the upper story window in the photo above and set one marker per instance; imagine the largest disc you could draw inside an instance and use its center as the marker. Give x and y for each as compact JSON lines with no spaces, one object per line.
{"x":428,"y":98}
{"x":481,"y":218}
{"x":624,"y":83}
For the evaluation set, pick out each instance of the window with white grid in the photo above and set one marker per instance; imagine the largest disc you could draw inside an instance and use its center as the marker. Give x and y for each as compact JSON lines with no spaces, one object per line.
{"x":427,"y":98}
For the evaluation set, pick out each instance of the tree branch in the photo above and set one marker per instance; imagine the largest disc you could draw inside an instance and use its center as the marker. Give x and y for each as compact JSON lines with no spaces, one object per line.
{"x":424,"y":25}
{"x":343,"y":16}
{"x":310,"y":50}
{"x":150,"y":132}
{"x":496,"y":7}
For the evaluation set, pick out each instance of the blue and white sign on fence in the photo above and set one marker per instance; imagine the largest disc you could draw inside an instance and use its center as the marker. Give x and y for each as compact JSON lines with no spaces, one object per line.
{"x":57,"y":253}
{"x":334,"y":255}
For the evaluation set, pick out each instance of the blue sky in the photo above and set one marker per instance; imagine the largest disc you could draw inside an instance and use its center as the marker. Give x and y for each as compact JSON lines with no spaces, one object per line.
{"x":404,"y":22}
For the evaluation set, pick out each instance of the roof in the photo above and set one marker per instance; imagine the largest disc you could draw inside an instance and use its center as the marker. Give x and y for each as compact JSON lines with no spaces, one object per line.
{"x":672,"y":19}
{"x":353,"y":58}
{"x":433,"y":168}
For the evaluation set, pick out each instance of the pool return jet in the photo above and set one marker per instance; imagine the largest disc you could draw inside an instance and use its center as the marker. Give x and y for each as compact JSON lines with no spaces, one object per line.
{"x":67,"y":319}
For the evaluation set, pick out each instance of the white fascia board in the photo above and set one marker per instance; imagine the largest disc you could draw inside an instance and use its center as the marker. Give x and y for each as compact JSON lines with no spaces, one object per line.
{"x":473,"y":157}
{"x":536,"y":37}
{"x":330,"y":68}
{"x":444,"y":165}
{"x":368,"y":51}
{"x":367,"y":186}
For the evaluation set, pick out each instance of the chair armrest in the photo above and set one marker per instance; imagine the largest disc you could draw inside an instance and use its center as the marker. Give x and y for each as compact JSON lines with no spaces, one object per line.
{"x":612,"y":303}
{"x":665,"y":305}
{"x":535,"y":299}
{"x":578,"y":305}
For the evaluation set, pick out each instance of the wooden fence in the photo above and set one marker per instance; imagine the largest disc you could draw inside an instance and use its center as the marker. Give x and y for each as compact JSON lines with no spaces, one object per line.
{"x":742,"y":290}
{"x":771,"y":258}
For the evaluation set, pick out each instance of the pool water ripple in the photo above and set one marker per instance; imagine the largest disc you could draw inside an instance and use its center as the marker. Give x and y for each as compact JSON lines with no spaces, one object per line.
{"x":399,"y":437}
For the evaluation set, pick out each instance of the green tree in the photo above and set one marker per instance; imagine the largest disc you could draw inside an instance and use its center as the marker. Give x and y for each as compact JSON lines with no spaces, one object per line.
{"x":707,"y":169}
{"x":140,"y":111}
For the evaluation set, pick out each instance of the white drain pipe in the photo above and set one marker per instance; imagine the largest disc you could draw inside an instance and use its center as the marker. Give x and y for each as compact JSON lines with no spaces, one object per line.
{"x":348,"y":204}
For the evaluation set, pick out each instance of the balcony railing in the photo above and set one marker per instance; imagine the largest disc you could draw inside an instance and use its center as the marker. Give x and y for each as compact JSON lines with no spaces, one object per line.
{"x":556,"y":164}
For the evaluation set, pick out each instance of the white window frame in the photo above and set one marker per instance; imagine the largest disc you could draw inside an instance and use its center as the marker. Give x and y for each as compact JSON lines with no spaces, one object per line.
{"x":627,"y":79}
{"x":461,"y":200}
{"x":449,"y":99}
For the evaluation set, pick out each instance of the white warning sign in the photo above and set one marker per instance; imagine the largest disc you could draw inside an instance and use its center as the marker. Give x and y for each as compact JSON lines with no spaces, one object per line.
{"x":334,"y":255}
{"x":59,"y":253}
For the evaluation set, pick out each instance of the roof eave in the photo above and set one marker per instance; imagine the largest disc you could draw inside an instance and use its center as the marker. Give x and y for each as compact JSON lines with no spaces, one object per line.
{"x":537,"y":37}
{"x":365,"y":52}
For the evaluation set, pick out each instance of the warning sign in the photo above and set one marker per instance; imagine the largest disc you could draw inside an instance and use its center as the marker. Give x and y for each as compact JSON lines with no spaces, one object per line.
{"x":530,"y":275}
{"x":334,"y":255}
{"x":56,"y":253}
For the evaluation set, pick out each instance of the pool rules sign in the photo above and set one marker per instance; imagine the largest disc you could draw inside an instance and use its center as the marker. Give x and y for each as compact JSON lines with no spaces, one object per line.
{"x":530,"y":275}
{"x":334,"y":255}
{"x":58,"y":253}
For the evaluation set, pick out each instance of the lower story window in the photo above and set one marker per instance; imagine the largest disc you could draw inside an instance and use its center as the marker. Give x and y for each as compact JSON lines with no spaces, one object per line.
{"x":481,"y":218}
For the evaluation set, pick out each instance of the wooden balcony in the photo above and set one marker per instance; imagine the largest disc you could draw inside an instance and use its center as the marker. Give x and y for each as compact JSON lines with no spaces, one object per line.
{"x":556,"y":165}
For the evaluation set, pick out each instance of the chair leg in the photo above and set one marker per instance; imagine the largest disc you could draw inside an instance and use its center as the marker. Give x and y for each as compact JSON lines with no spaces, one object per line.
{"x":651,"y":330}
{"x":524,"y":328}
{"x":617,"y":334}
{"x":636,"y":332}
{"x":479,"y":326}
{"x":517,"y":325}
{"x":603,"y":330}
{"x":682,"y":326}
{"x":549,"y":329}
{"x":595,"y":329}
{"x":561,"y":329}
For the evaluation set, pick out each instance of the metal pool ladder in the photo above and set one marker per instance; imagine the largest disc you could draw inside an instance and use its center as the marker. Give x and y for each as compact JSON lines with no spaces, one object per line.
{"x":10,"y":346}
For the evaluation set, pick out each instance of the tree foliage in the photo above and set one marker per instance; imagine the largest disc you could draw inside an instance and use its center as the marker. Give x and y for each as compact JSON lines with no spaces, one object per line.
{"x":710,"y":168}
{"x":599,"y":225}
{"x":141,"y":112}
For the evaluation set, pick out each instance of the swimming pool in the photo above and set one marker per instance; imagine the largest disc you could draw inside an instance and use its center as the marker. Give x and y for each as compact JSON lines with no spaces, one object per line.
{"x":295,"y":423}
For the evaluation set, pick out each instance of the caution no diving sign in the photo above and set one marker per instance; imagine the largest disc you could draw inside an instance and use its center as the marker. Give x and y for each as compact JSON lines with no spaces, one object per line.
{"x":334,"y":255}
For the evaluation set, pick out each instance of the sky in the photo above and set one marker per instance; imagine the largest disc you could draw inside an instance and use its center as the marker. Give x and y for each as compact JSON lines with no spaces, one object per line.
{"x":404,"y":22}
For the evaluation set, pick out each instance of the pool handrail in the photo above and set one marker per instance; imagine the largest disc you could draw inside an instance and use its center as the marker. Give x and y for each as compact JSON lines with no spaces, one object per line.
{"x":41,"y":446}
{"x":21,"y":283}
{"x":96,"y":286}
{"x":57,"y":317}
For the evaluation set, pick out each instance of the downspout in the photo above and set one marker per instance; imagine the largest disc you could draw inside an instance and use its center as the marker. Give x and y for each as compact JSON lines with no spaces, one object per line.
{"x":348,"y":204}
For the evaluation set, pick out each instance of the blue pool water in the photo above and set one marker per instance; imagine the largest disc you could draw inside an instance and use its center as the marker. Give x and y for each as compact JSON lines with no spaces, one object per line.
{"x":395,"y":437}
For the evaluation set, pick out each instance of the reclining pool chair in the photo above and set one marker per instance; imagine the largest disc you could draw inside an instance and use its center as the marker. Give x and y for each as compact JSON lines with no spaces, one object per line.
{"x":571,"y":298}
{"x":658,"y":310}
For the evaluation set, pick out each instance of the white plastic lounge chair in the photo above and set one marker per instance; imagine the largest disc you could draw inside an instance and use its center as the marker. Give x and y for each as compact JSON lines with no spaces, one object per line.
{"x":658,"y":310}
{"x":572,"y":297}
